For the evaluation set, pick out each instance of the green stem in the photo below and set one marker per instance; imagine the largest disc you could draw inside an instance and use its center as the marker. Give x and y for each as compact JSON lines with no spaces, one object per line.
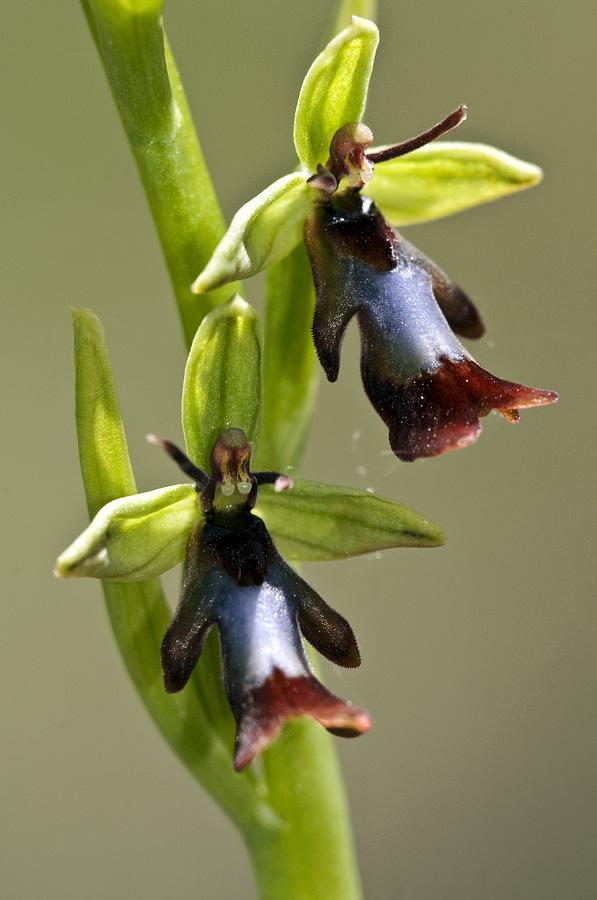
{"x":290,"y":366}
{"x":148,"y":92}
{"x":312,"y":858}
{"x":295,"y":825}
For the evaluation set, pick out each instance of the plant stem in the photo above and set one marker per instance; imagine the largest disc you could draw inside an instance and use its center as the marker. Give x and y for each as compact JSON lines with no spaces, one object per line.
{"x":304,"y":850}
{"x":290,"y":366}
{"x":148,"y":92}
{"x":312,"y":858}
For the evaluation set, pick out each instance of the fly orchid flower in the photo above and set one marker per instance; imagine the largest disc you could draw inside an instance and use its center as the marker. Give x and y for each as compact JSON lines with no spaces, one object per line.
{"x":235,"y":579}
{"x":425,"y":386}
{"x":423,"y":383}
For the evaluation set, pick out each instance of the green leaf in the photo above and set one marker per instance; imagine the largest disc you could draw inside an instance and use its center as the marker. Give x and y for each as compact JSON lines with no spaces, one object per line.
{"x":222,"y":380}
{"x":139,"y":613}
{"x":134,"y":538}
{"x":444,"y":178}
{"x":316,"y":522}
{"x":334,"y":91}
{"x":263,"y":231}
{"x":107,"y":474}
{"x":290,"y":367}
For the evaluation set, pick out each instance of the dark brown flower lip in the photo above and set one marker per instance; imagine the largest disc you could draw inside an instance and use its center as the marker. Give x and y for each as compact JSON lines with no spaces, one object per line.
{"x":440,"y":411}
{"x":266,"y":709}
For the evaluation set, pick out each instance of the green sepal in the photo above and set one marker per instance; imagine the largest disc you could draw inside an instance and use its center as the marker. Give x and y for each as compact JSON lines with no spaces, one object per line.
{"x":222,"y":379}
{"x":444,"y":178}
{"x":263,"y":231}
{"x":317,"y":522}
{"x":134,"y":538}
{"x":334,"y":91}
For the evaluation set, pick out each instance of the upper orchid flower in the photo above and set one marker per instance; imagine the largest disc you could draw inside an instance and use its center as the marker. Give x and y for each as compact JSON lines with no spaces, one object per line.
{"x":425,"y":386}
{"x":422,"y":382}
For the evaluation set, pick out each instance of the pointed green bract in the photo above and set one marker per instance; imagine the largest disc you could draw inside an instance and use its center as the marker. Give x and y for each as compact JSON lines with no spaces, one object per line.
{"x":263,"y":231}
{"x":107,"y":474}
{"x":222,"y":380}
{"x":317,"y":522}
{"x":334,"y":91}
{"x":134,"y":538}
{"x":444,"y":178}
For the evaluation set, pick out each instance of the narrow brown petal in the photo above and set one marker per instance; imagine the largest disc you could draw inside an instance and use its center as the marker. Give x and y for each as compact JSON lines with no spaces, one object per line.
{"x":461,"y":313}
{"x":195,"y":613}
{"x":322,"y":626}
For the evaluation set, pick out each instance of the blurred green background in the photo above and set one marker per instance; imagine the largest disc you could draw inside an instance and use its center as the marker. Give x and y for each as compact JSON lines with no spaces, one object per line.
{"x":478,"y":781}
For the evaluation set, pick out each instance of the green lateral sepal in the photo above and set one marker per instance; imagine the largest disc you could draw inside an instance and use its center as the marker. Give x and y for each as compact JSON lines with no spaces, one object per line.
{"x":445,"y":178}
{"x":134,"y":538}
{"x":262,"y":232}
{"x":317,"y":522}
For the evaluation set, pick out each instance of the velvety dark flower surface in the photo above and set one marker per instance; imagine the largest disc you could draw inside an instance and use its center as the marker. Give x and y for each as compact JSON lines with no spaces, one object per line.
{"x":425,"y":386}
{"x":235,"y":580}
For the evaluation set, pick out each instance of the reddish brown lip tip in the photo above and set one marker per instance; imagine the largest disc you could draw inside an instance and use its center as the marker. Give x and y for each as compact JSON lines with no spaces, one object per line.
{"x":282,"y":698}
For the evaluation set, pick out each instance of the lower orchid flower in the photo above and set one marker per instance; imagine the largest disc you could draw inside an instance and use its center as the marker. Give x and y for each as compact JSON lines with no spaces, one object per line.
{"x":235,"y":579}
